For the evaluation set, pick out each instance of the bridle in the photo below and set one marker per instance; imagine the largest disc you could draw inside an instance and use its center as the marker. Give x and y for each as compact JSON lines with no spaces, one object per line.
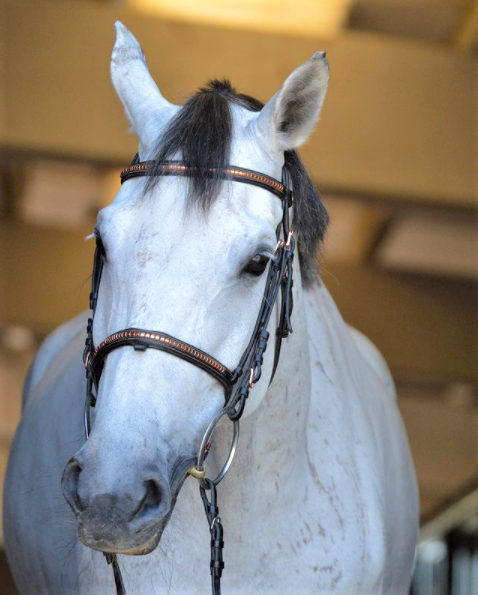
{"x":237,"y":383}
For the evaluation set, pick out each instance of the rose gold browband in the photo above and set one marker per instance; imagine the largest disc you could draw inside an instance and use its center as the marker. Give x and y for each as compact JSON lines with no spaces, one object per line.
{"x":231,"y":172}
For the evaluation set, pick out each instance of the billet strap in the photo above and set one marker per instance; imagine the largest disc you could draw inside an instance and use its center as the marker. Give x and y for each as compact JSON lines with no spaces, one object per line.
{"x":211,"y":509}
{"x":142,"y":340}
{"x":231,"y":172}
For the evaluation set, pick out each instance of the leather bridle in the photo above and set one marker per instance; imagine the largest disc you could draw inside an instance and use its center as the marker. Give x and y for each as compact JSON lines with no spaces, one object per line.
{"x":237,"y":383}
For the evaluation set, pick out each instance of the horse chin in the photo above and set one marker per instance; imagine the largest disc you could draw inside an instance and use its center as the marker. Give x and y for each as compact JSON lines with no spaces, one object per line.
{"x":136,"y":542}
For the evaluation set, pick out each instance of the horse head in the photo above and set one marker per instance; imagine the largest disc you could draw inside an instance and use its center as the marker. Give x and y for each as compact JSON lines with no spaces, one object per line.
{"x":188,"y":257}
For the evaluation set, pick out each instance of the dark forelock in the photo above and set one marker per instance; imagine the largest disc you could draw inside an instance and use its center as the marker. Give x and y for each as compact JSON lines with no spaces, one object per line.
{"x":201,"y":132}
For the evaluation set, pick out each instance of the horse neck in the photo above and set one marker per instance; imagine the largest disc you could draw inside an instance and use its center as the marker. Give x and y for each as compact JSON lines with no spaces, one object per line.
{"x":272,"y":444}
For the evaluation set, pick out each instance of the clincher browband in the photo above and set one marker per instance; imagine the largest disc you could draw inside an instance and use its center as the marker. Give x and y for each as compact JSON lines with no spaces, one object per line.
{"x":231,"y":172}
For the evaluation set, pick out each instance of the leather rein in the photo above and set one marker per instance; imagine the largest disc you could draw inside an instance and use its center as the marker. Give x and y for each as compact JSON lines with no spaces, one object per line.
{"x":236,"y":383}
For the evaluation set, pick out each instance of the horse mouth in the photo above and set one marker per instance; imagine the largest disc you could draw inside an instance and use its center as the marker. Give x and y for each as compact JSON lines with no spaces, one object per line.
{"x":110,"y":531}
{"x":132,"y":539}
{"x":122,"y":541}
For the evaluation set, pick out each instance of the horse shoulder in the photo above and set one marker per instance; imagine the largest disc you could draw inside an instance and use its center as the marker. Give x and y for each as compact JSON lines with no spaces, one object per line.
{"x":54,"y":344}
{"x":400,"y":500}
{"x":375,"y":359}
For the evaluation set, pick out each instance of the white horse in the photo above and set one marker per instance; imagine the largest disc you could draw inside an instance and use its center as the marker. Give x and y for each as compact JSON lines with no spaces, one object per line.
{"x":322,"y":495}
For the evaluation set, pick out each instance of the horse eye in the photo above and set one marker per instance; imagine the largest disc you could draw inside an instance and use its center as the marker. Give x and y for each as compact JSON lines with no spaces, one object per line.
{"x":257,"y":265}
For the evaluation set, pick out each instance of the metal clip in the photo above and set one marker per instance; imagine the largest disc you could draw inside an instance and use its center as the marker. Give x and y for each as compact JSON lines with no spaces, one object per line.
{"x":216,"y":519}
{"x":289,"y":240}
{"x":280,"y":243}
{"x":251,"y":376}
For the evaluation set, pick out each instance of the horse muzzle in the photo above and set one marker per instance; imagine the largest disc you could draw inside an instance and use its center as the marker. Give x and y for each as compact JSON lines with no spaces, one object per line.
{"x":117,"y":519}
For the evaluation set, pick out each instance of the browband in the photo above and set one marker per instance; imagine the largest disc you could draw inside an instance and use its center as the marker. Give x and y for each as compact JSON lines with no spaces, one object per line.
{"x":231,"y":172}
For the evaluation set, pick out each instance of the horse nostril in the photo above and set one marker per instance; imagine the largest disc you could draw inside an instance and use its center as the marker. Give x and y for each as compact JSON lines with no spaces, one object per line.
{"x":69,"y":484}
{"x":146,"y":499}
{"x":152,"y":498}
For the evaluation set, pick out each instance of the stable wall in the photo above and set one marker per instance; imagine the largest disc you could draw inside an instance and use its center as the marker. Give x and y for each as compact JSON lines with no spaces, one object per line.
{"x":400,"y":118}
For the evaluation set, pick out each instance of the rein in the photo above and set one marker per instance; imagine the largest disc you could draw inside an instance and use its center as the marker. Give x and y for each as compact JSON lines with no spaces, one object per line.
{"x":237,"y":383}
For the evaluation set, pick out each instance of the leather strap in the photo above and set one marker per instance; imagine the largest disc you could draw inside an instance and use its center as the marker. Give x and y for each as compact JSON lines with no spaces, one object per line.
{"x":142,"y":340}
{"x":237,"y":174}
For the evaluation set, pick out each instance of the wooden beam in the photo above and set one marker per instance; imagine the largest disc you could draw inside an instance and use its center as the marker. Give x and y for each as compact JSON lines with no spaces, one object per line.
{"x":425,"y":327}
{"x":467,"y":36}
{"x":46,"y":275}
{"x":3,"y":73}
{"x":399,"y":119}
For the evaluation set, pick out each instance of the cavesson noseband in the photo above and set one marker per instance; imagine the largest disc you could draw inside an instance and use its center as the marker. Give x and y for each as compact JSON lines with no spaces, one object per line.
{"x":236,"y":383}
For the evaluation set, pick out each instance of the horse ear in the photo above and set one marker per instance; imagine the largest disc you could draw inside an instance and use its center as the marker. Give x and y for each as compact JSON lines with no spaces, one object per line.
{"x":145,"y":107}
{"x":289,"y":117}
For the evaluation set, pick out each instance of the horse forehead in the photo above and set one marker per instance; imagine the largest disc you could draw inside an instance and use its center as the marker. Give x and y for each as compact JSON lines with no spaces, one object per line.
{"x":241,"y":216}
{"x":167,"y":215}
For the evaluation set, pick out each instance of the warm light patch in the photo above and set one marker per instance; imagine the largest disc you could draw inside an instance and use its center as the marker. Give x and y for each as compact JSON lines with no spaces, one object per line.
{"x":309,"y":18}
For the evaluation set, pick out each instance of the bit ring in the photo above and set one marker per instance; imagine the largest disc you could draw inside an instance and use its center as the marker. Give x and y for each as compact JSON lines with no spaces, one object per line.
{"x":198,"y":468}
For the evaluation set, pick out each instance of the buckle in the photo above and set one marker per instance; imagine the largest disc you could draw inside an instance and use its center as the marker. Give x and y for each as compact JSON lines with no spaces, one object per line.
{"x":288,"y":197}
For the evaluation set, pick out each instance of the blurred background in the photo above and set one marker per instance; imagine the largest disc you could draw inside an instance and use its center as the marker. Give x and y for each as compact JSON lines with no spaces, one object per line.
{"x":395,"y":157}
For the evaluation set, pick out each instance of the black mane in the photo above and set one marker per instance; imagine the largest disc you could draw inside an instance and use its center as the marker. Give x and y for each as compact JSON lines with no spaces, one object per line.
{"x":202,"y":132}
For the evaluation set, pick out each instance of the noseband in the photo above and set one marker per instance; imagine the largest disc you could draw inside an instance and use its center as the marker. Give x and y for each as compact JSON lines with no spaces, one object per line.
{"x":236,"y":383}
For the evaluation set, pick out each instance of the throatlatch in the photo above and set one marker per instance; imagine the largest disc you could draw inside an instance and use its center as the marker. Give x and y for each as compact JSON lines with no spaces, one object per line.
{"x":236,"y":383}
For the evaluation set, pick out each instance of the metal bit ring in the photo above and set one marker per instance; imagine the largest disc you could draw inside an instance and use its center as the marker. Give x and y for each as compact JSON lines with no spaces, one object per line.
{"x":198,"y":469}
